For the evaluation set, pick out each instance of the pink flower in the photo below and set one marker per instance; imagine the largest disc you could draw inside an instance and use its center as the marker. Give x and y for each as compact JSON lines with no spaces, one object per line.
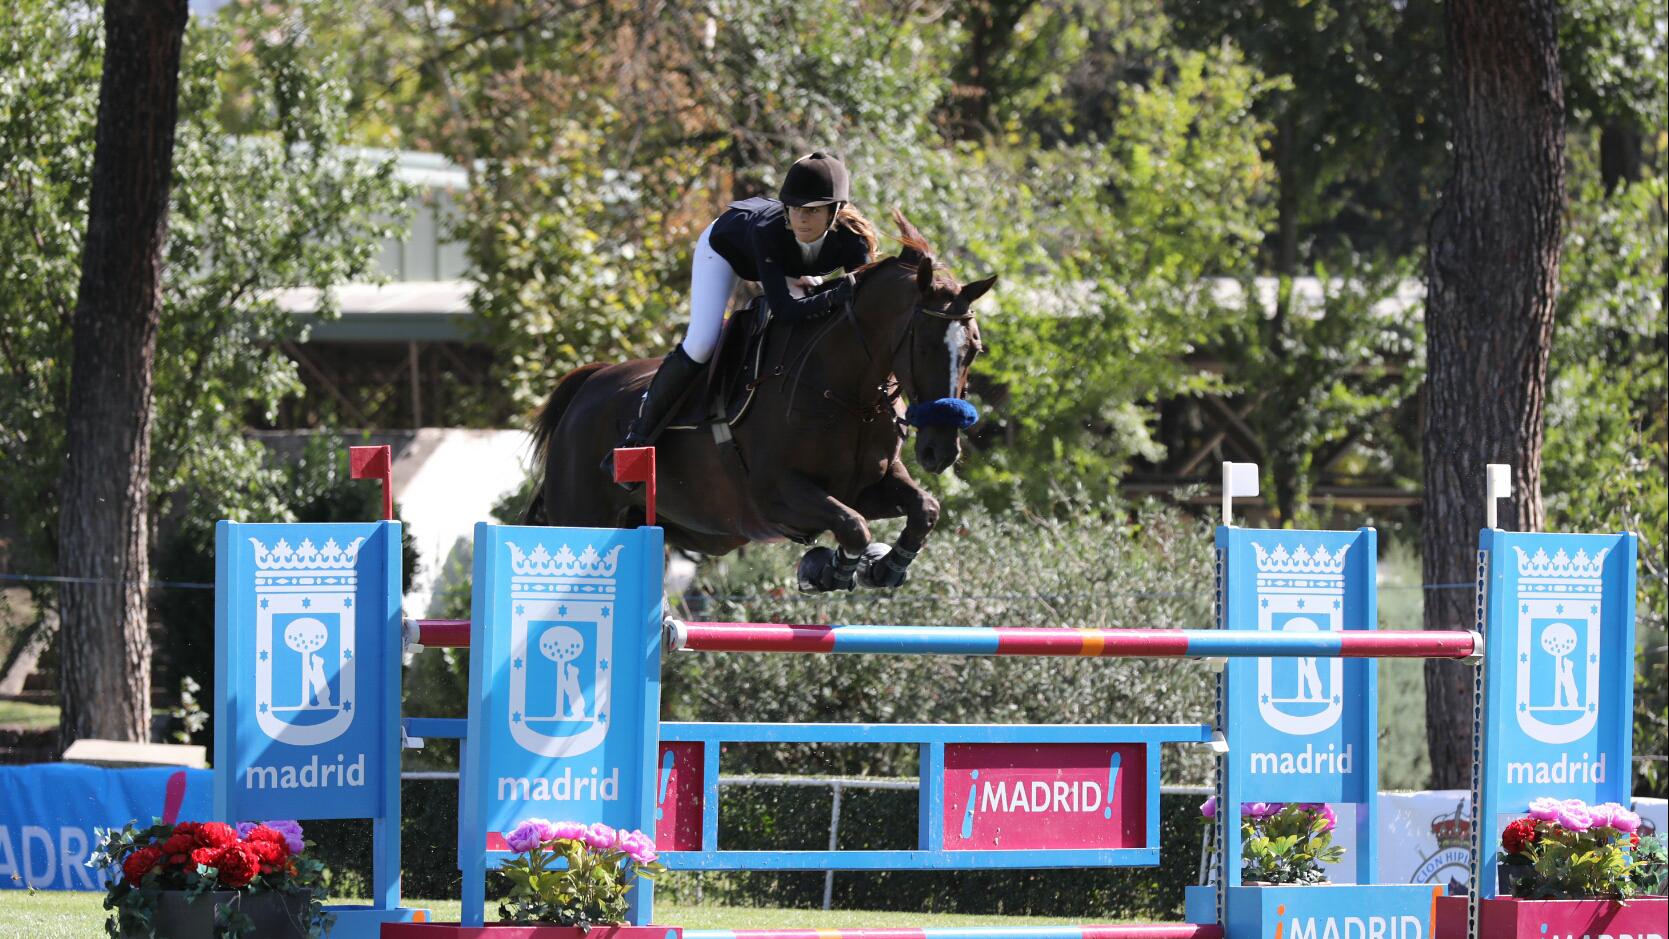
{"x":1545,"y":809}
{"x":637,"y":846}
{"x":1574,"y":816}
{"x":600,"y":837}
{"x":1625,"y":820}
{"x":1260,"y":809}
{"x":1208,"y":808}
{"x":571,"y":831}
{"x":1326,"y":812}
{"x":1603,"y":814}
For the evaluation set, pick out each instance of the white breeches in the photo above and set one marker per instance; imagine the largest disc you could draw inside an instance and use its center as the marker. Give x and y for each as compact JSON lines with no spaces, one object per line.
{"x":712,"y":281}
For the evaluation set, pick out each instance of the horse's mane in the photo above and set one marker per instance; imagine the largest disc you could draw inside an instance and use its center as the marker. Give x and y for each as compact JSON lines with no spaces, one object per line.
{"x":914,"y":249}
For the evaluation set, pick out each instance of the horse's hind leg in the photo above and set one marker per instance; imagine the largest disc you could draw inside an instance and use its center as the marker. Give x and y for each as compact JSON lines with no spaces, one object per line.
{"x":801,"y":505}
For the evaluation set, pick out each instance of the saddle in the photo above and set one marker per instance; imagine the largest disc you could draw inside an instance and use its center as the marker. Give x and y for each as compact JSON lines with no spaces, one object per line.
{"x":726,"y":390}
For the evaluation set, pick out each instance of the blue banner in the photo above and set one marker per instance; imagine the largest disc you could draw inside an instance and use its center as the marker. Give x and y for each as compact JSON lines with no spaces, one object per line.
{"x":1558,"y":688}
{"x":307,"y":626}
{"x":564,"y":682}
{"x":1304,"y":728}
{"x":48,"y":812}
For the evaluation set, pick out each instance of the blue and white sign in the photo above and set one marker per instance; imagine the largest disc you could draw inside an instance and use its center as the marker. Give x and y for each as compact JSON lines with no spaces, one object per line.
{"x":1303,"y":724}
{"x":564,"y":684}
{"x":1558,"y":625}
{"x":1299,"y":728}
{"x":307,"y":622}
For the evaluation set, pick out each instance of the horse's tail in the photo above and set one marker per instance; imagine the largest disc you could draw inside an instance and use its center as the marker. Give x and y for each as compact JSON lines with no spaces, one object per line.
{"x":544,"y":428}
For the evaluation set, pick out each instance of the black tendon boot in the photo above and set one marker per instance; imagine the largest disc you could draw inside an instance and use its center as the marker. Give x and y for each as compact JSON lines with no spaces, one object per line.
{"x":671,"y":380}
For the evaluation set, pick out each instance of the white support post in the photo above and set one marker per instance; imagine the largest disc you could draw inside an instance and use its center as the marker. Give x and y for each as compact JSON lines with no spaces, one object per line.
{"x":1498,"y":484}
{"x":1239,"y":480}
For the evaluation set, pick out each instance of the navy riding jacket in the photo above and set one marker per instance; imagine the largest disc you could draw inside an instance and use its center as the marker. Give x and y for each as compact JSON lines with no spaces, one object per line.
{"x":753,"y":236}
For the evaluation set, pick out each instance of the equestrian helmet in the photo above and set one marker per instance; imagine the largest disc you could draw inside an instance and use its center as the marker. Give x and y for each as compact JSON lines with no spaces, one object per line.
{"x":816,"y":179}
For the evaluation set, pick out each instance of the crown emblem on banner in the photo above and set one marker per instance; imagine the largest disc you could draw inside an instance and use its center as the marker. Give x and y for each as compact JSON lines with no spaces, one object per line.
{"x":1300,"y":561}
{"x":541,"y":563}
{"x":1561,"y":564}
{"x":1452,"y":831}
{"x":282,"y":557}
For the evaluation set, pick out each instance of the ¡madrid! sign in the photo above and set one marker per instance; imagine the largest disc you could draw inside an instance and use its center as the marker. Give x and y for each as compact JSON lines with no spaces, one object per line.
{"x":305,"y":620}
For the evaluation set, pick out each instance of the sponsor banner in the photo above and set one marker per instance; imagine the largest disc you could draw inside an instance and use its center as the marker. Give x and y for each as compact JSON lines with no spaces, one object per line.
{"x":1049,"y":797}
{"x":307,"y":625}
{"x":48,"y":812}
{"x":565,"y":664}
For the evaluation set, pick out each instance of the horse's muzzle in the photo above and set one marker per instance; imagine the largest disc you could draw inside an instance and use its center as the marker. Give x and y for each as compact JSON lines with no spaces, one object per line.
{"x":937,"y":448}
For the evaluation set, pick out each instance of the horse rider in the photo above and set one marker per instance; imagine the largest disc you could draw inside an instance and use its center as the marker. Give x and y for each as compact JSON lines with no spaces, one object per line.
{"x":789,"y":245}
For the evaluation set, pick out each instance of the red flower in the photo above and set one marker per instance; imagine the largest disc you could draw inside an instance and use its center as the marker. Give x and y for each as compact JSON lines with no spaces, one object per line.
{"x":1519,"y":836}
{"x":261,"y":834}
{"x":216,"y":835}
{"x":177,"y":849}
{"x":235,"y":865}
{"x":140,"y":862}
{"x":187,"y":828}
{"x":1634,"y":839}
{"x":272,"y":856}
{"x":206,"y":856}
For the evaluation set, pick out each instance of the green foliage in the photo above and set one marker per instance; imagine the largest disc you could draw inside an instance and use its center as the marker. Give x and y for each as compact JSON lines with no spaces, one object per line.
{"x":1357,"y":127}
{"x":1606,"y":460}
{"x":567,"y":882}
{"x":1651,"y":866}
{"x":1612,"y":54}
{"x":1107,"y":254}
{"x":1325,"y":377}
{"x":280,"y":206}
{"x":1287,"y":844}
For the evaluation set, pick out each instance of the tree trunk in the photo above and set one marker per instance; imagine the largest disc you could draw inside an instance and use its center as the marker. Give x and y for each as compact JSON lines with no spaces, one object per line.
{"x":1619,"y":154}
{"x":1493,"y":274}
{"x":103,"y":530}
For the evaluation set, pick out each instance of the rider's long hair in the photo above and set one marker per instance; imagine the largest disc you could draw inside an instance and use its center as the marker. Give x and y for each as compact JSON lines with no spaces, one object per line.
{"x":853,"y":221}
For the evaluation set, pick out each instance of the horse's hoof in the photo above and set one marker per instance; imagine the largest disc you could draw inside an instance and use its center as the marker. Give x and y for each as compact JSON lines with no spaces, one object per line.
{"x":875,"y":573}
{"x":814,"y":570}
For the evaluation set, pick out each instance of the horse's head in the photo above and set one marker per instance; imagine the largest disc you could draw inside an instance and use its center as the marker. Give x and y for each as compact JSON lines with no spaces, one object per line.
{"x":939,"y":344}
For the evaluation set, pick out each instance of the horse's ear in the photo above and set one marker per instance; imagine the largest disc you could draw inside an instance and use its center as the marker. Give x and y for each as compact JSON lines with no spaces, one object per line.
{"x":924,"y":275}
{"x":975,"y":290}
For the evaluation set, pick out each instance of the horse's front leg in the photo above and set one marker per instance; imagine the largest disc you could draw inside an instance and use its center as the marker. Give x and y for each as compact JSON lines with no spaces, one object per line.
{"x":896,"y":494}
{"x":797,"y":503}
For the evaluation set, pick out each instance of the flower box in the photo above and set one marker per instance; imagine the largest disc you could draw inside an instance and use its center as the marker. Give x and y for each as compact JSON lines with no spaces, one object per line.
{"x":176,"y":918}
{"x":1640,"y":918}
{"x":513,"y":931}
{"x":1285,"y":911}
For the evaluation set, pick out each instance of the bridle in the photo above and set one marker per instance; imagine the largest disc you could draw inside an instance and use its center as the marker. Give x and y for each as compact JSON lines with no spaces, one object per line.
{"x":890,"y":388}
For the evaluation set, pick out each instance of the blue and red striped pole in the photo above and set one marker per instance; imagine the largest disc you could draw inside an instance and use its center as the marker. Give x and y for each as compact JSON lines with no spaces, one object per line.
{"x":1068,"y":641}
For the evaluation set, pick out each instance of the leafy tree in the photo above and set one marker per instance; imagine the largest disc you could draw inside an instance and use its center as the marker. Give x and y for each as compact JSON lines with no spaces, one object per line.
{"x":1607,"y":452}
{"x":279,"y":207}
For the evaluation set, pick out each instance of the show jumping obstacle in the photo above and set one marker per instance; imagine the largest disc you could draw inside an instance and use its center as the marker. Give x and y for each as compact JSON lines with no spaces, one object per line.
{"x":566,"y":637}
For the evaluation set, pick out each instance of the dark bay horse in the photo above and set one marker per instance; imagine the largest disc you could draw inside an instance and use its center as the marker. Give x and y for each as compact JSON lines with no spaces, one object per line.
{"x":819,"y":446}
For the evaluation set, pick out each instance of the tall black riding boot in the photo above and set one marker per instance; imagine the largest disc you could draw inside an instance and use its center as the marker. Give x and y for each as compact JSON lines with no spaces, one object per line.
{"x":674,"y":376}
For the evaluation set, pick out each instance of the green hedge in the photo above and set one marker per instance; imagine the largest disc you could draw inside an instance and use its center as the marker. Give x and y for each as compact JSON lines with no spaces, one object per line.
{"x":783,"y":817}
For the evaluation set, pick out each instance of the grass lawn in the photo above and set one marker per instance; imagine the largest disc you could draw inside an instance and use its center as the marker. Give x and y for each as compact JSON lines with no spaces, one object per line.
{"x":65,"y":915}
{"x":27,"y":715}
